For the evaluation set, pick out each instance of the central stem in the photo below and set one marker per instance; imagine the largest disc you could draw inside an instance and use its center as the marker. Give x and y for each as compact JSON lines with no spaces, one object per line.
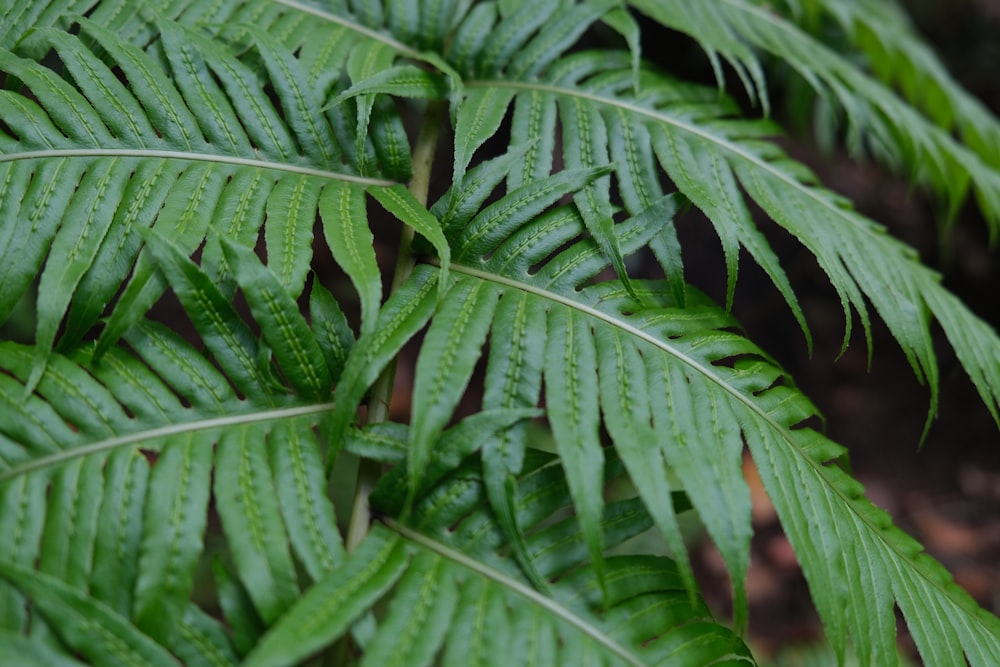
{"x":381,"y":394}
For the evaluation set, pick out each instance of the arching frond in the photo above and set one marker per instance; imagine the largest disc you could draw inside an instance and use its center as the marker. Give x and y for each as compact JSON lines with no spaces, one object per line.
{"x":711,"y":158}
{"x":880,"y":122}
{"x":456,"y":596}
{"x":677,"y":388}
{"x":190,"y":142}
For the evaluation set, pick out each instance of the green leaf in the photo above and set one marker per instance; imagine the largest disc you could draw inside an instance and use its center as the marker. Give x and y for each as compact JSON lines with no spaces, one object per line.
{"x":184,"y":222}
{"x":173,"y":535}
{"x":16,"y":649}
{"x":495,"y":222}
{"x":299,"y":98}
{"x":342,"y":207}
{"x":585,"y":140}
{"x":451,"y":347}
{"x":403,"y":314}
{"x":397,"y":200}
{"x":145,"y":194}
{"x":73,"y":504}
{"x":519,"y":22}
{"x":297,"y":465}
{"x":86,"y":625}
{"x":473,"y":32}
{"x":513,"y":379}
{"x":457,"y":206}
{"x":205,"y":130}
{"x":477,"y":119}
{"x":291,"y":214}
{"x":22,"y":511}
{"x":533,"y":124}
{"x":560,"y":33}
{"x":361,"y":65}
{"x":704,"y":449}
{"x":332,"y":330}
{"x":387,"y":442}
{"x":327,"y":609}
{"x":24,"y":243}
{"x":418,"y":617}
{"x":76,"y":246}
{"x":390,"y":442}
{"x":392,"y":147}
{"x":251,"y":519}
{"x":226,"y":335}
{"x":238,"y":611}
{"x":213,"y":110}
{"x":203,"y":641}
{"x":283,"y":327}
{"x":622,"y":22}
{"x":398,"y":80}
{"x":478,"y":636}
{"x":571,"y":393}
{"x":650,"y":621}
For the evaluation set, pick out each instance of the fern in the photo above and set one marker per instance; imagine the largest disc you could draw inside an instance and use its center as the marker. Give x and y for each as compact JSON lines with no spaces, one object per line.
{"x":167,"y":496}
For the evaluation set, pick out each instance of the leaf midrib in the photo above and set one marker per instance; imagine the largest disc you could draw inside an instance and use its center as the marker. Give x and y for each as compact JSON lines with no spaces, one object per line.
{"x":161,"y":432}
{"x":193,"y":157}
{"x":517,"y":587}
{"x":700,"y":368}
{"x":351,"y":25}
{"x":694,"y":130}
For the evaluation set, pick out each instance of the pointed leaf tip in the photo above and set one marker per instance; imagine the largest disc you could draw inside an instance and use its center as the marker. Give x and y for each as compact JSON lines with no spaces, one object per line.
{"x":399,"y":201}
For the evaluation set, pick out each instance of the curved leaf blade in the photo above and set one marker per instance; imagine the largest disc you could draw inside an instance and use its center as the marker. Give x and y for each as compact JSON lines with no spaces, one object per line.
{"x":251,"y":520}
{"x":451,"y":348}
{"x":88,"y":626}
{"x":328,"y":608}
{"x":288,"y":335}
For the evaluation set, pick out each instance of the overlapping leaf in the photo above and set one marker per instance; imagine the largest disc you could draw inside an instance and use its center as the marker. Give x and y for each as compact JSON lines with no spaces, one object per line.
{"x":107,"y":471}
{"x":456,"y":597}
{"x":710,"y":157}
{"x":677,"y":389}
{"x":213,"y":123}
{"x":184,"y":137}
{"x":879,"y":121}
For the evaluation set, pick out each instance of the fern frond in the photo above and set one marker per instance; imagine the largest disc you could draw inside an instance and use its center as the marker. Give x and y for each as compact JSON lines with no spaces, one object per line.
{"x":17,"y":19}
{"x":141,"y":523}
{"x":146,"y":148}
{"x":79,"y":618}
{"x":188,"y":142}
{"x":899,"y":58}
{"x":710,"y":157}
{"x":676,"y":388}
{"x":462,"y":600}
{"x":880,"y":122}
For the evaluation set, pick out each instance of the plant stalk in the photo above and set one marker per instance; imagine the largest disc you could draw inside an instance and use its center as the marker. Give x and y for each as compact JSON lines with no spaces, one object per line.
{"x":381,"y":395}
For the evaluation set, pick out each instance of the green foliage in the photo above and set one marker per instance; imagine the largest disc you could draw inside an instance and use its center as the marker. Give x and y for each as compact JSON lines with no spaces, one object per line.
{"x":165,"y":491}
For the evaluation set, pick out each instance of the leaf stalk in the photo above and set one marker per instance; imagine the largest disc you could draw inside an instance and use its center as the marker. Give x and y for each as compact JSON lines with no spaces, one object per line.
{"x":381,"y":395}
